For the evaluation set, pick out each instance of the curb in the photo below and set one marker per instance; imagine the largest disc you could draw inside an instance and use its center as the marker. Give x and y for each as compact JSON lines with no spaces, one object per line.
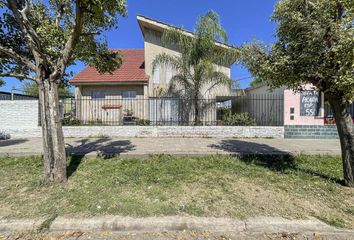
{"x":176,"y":223}
{"x":14,"y":225}
{"x":278,"y":224}
{"x":149,"y":224}
{"x":96,"y":154}
{"x":257,"y":226}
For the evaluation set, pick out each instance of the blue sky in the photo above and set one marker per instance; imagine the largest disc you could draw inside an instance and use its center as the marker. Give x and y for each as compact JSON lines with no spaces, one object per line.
{"x":242,"y":20}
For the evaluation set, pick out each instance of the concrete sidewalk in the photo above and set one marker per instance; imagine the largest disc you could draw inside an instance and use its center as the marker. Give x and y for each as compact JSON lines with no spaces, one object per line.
{"x":107,"y":147}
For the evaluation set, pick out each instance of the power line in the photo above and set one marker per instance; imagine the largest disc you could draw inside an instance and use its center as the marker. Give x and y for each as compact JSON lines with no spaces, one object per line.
{"x":240,"y":79}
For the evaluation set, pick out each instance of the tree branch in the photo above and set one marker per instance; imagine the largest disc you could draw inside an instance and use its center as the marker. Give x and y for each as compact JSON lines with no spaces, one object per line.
{"x":30,"y":34}
{"x":89,"y":33}
{"x":19,"y":76}
{"x":26,"y":8}
{"x":13,"y":7}
{"x":72,"y":41}
{"x":11,"y":53}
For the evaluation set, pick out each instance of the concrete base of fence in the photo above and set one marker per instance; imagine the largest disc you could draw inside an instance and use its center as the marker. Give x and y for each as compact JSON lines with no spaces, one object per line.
{"x":311,"y":131}
{"x":157,"y":131}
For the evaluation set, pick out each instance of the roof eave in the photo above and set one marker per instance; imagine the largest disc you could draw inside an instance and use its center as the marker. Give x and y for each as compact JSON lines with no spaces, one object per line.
{"x":157,"y":25}
{"x":140,"y":82}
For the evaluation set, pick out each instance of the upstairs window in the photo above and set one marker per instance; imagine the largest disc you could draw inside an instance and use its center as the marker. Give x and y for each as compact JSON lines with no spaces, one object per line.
{"x":129,"y":94}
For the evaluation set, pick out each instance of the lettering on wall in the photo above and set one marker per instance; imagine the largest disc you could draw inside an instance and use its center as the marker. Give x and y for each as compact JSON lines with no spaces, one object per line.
{"x":310,"y":103}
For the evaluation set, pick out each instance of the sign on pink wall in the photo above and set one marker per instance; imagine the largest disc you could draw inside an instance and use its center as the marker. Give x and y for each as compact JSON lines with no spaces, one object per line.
{"x":305,"y":108}
{"x":310,"y":103}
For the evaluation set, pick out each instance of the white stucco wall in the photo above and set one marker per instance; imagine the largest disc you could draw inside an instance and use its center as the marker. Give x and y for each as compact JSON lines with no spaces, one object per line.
{"x":18,"y":114}
{"x":159,"y":131}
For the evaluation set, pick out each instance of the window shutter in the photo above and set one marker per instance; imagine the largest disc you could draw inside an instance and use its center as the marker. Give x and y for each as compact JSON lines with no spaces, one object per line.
{"x":168,"y":73}
{"x":156,"y":75}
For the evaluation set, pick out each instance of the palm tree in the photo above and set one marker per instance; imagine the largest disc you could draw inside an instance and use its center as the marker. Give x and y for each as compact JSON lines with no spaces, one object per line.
{"x":195,"y":67}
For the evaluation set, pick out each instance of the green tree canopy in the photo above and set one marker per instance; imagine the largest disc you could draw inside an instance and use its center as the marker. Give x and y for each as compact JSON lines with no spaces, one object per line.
{"x":31,"y":88}
{"x":315,"y":45}
{"x":195,"y":68}
{"x":40,"y":39}
{"x":255,"y":82}
{"x":34,"y":31}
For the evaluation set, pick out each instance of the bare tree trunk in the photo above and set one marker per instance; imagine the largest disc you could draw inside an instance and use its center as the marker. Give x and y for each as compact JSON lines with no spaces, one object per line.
{"x":52,"y":132}
{"x":345,"y":131}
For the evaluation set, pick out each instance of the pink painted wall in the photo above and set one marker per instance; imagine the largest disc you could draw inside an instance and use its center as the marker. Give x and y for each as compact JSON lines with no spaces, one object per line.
{"x":292,"y":100}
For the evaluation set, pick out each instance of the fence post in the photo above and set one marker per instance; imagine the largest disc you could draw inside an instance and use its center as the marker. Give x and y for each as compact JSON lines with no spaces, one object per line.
{"x":12,"y":94}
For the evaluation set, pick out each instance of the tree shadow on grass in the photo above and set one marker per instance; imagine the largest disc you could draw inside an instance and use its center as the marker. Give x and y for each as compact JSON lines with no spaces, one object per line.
{"x":104,"y":148}
{"x":240,"y":148}
{"x":268,"y":157}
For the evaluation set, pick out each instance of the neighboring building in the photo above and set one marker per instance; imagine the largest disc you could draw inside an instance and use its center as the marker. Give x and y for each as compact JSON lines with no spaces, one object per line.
{"x":305,"y":108}
{"x":109,"y":97}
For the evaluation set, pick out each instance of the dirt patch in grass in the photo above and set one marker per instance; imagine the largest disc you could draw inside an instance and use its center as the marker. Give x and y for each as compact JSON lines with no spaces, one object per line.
{"x":220,"y":186}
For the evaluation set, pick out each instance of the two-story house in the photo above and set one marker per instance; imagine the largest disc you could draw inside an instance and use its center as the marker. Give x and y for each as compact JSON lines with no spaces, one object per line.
{"x":135,"y":87}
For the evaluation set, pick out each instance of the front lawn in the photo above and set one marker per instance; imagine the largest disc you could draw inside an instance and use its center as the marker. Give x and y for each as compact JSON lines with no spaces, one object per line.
{"x":217,"y":186}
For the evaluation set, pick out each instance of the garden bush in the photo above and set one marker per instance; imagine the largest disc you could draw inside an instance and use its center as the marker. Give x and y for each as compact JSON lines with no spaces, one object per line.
{"x":238,"y":119}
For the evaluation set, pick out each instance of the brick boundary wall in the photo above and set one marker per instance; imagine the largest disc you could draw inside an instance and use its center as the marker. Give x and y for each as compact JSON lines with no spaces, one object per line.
{"x":156,"y":131}
{"x":311,"y":131}
{"x":288,"y":131}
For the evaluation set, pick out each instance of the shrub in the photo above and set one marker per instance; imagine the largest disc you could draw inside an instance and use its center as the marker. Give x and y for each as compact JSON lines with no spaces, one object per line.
{"x":239,"y":119}
{"x":143,"y":122}
{"x":97,"y":122}
{"x":4,"y":135}
{"x":71,"y":122}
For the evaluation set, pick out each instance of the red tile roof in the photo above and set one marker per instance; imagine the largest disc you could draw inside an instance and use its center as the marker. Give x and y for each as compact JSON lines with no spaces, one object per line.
{"x":132,"y":70}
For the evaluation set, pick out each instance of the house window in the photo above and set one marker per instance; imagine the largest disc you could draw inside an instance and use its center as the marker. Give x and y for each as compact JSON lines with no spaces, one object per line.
{"x":168,"y":73}
{"x":98,"y":95}
{"x":129,"y":94}
{"x":156,"y":75}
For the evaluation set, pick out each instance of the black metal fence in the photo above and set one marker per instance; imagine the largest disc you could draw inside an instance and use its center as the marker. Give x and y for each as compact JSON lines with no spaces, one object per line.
{"x":256,"y":109}
{"x":263,"y":110}
{"x":267,"y":109}
{"x":329,"y":115}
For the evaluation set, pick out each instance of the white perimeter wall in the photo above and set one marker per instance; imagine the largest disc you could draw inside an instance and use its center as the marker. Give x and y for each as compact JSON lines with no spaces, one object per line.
{"x":18,"y":114}
{"x":19,"y":118}
{"x":157,"y":131}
